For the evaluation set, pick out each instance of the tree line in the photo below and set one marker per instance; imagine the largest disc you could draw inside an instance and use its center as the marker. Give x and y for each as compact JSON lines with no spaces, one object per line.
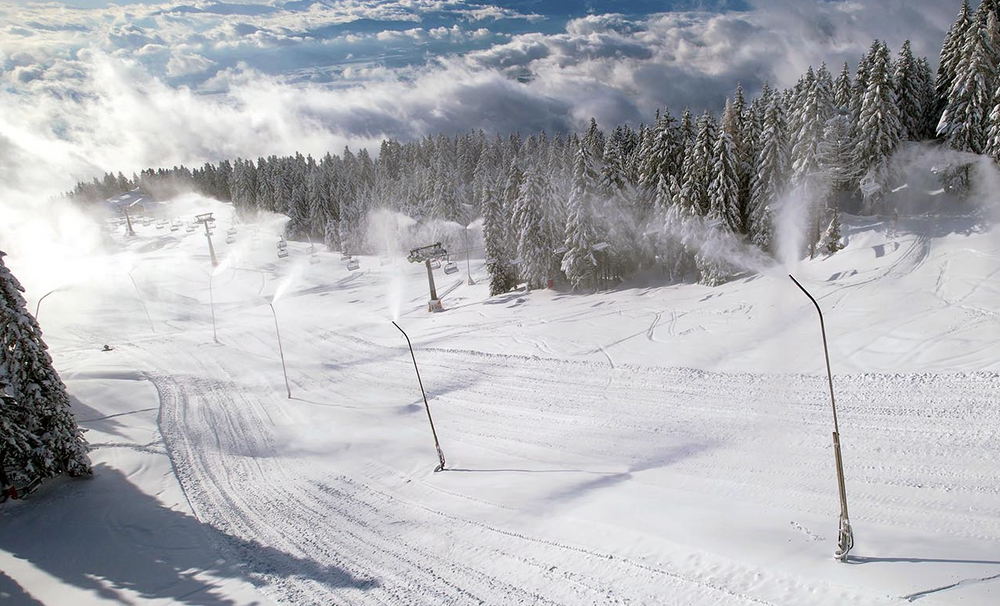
{"x":596,"y":204}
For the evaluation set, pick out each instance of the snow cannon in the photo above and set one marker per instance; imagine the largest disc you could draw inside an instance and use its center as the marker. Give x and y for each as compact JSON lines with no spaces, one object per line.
{"x":845,"y":534}
{"x":437,"y":444}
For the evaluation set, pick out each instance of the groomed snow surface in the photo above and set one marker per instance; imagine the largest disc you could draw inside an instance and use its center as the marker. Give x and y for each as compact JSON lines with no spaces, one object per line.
{"x":652,"y":444}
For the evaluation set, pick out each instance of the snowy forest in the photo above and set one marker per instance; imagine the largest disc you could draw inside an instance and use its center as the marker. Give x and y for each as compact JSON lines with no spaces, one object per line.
{"x":680,"y":193}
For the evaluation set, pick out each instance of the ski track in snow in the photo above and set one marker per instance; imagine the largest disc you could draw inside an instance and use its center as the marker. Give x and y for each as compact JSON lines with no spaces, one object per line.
{"x":376,"y":540}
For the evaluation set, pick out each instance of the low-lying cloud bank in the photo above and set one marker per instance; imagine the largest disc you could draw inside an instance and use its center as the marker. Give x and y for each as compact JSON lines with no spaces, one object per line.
{"x":129,"y":87}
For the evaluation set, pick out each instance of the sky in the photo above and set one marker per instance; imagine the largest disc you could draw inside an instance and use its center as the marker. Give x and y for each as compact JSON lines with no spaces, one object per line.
{"x":88,"y":86}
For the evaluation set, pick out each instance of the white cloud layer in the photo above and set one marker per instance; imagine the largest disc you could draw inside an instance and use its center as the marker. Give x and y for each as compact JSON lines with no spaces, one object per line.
{"x":127,"y":87}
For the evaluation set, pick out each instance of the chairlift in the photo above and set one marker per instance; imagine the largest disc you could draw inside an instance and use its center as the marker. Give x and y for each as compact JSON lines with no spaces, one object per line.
{"x":353,"y":264}
{"x":282,"y":245}
{"x":282,"y":253}
{"x":174,"y":227}
{"x":435,"y":263}
{"x":161,"y":224}
{"x":450,"y":267}
{"x":344,"y":256}
{"x":231,"y":231}
{"x":230,"y":239}
{"x":313,"y":259}
{"x":190,"y":228}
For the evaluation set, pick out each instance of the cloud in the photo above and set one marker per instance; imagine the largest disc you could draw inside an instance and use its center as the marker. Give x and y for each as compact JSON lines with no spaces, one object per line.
{"x":75,"y":108}
{"x":186,"y":64}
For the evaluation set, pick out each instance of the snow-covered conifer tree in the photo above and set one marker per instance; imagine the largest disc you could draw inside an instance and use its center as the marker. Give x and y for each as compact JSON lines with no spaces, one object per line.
{"x":878,"y":127}
{"x":909,"y":94}
{"x":970,"y":98}
{"x":496,"y":234}
{"x":951,"y":52}
{"x":724,"y":190}
{"x":579,"y":263}
{"x":41,"y":437}
{"x":537,"y":236}
{"x":772,"y":172}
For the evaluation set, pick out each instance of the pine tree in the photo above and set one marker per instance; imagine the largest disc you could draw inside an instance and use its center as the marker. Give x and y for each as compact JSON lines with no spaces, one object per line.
{"x":537,"y":235}
{"x":842,"y":88}
{"x":724,"y":190}
{"x":970,"y":98}
{"x":878,"y":128}
{"x":928,"y":100}
{"x":832,"y":237}
{"x":954,"y":40}
{"x":698,"y":172}
{"x":499,"y":247}
{"x":579,"y":263}
{"x":908,"y":85}
{"x":772,"y":172}
{"x":41,"y":437}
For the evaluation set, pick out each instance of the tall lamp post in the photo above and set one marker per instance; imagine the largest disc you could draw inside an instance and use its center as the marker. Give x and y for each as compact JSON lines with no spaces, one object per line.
{"x":845,"y":539}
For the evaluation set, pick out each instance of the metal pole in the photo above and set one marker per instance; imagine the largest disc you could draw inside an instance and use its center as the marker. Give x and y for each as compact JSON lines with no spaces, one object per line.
{"x":427,"y":406}
{"x":39,"y":304}
{"x":211,"y":249}
{"x":468,"y":266}
{"x":141,"y":300}
{"x":845,"y":539}
{"x":430,"y":279}
{"x":128,"y":223}
{"x":211,"y":300}
{"x":280,"y":351}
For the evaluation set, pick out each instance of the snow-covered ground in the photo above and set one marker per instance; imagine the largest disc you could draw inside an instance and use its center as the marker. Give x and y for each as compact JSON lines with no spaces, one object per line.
{"x":650,"y":444}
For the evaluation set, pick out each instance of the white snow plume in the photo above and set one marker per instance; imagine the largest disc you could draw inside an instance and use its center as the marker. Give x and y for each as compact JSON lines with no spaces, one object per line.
{"x":388,"y":232}
{"x":291,"y":278}
{"x":50,"y":243}
{"x":924,"y":174}
{"x":707,"y":238}
{"x":790,"y":221}
{"x":394,"y":294}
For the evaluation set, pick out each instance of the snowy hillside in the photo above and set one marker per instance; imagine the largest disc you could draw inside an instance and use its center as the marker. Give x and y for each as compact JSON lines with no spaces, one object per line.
{"x":651,"y":444}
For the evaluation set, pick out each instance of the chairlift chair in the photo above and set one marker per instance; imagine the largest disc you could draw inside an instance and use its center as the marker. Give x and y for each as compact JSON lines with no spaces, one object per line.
{"x":353,"y":264}
{"x":450,"y":267}
{"x":190,"y":228}
{"x":313,"y":259}
{"x":174,"y":227}
{"x":344,"y":256}
{"x":435,"y":263}
{"x":231,"y":231}
{"x":282,"y":253}
{"x":230,"y":239}
{"x":282,"y":245}
{"x":161,"y":224}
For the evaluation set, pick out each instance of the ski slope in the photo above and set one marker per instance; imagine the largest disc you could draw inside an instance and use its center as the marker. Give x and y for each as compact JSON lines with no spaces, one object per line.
{"x":652,"y":444}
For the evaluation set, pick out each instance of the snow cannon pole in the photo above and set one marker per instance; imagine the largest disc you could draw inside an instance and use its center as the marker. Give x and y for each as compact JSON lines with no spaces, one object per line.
{"x":427,"y":406}
{"x":845,"y":540}
{"x":211,"y":301}
{"x":280,"y":351}
{"x":141,"y":300}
